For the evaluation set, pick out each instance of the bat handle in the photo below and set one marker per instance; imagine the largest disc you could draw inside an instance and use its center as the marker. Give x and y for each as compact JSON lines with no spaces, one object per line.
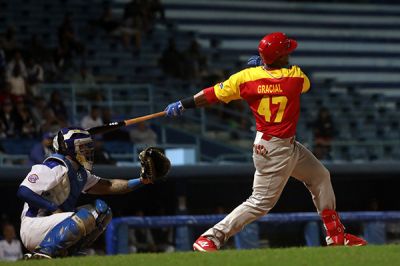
{"x":143,"y":118}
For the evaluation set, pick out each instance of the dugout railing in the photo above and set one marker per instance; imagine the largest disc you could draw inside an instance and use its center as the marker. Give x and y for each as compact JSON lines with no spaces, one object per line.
{"x":117,"y":231}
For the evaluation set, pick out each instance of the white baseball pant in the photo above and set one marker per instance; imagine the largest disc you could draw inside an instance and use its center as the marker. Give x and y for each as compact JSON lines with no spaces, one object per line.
{"x":284,"y":158}
{"x":34,"y":229}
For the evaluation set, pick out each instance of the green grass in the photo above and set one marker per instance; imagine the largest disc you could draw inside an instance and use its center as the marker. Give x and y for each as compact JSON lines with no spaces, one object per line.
{"x":344,"y":256}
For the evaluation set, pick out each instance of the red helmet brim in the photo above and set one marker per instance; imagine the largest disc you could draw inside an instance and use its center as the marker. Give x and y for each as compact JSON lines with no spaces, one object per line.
{"x":293,"y":45}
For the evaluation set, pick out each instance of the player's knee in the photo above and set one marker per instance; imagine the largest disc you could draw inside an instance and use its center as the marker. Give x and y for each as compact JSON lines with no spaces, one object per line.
{"x":100,"y":211}
{"x":101,"y":206}
{"x":85,"y":220}
{"x":104,"y":212}
{"x":261,"y":205}
{"x":325,"y":175}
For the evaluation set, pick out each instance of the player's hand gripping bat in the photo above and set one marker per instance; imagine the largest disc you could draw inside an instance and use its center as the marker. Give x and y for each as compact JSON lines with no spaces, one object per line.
{"x":115,"y":125}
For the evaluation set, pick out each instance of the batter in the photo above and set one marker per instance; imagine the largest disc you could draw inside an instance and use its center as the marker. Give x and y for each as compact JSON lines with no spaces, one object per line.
{"x":272,"y":92}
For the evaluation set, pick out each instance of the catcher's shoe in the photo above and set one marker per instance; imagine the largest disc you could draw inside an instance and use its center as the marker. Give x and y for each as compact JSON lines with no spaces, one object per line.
{"x":39,"y":256}
{"x":335,"y":235}
{"x":35,"y":256}
{"x":27,"y":256}
{"x":204,"y":244}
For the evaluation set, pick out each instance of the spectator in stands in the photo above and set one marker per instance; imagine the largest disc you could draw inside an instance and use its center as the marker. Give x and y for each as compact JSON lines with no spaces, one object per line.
{"x":61,"y":65}
{"x":106,"y":21}
{"x":24,"y":123}
{"x":7,"y":119}
{"x":323,"y":131}
{"x":171,"y":60}
{"x":164,"y":239}
{"x":143,"y":134}
{"x":3,"y":135}
{"x":38,"y":109}
{"x":8,"y":41}
{"x":5,"y":93}
{"x":35,"y":76}
{"x":141,"y":239}
{"x":37,"y":49}
{"x":42,"y":150}
{"x":17,"y":62}
{"x":119,"y":134}
{"x":163,"y":236}
{"x":132,"y":24}
{"x":67,"y":38}
{"x":50,"y":122}
{"x":195,"y":61}
{"x":3,"y":63}
{"x":56,"y":104}
{"x":50,"y":69}
{"x":93,"y":119}
{"x":84,"y":77}
{"x":101,"y":155}
{"x":17,"y":82}
{"x":149,"y":10}
{"x":156,"y":7}
{"x":10,"y":247}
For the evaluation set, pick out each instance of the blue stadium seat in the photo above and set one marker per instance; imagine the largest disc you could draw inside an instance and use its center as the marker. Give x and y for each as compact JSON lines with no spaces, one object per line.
{"x":120,"y":147}
{"x":18,"y":146}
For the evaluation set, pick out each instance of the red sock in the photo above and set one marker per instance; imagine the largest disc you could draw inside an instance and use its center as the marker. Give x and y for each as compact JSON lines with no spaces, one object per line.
{"x":334,"y":228}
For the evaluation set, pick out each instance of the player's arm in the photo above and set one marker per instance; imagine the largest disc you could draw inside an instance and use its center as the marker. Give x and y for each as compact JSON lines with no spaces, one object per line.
{"x":35,"y":200}
{"x":154,"y":167}
{"x":222,"y":92}
{"x":116,"y":186}
{"x":41,"y":178}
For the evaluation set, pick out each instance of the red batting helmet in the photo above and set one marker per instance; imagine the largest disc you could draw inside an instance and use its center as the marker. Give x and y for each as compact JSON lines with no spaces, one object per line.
{"x":275,"y":45}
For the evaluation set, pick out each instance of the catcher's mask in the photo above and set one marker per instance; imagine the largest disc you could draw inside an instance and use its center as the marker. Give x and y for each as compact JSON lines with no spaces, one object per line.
{"x":77,"y":143}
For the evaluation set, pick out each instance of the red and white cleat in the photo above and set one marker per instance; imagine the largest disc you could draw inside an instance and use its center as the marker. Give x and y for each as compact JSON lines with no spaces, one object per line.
{"x":335,"y":235}
{"x":352,"y":240}
{"x":203,"y":244}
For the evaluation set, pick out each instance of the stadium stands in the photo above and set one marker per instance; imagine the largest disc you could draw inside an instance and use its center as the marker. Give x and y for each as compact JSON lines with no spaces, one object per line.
{"x":351,"y":54}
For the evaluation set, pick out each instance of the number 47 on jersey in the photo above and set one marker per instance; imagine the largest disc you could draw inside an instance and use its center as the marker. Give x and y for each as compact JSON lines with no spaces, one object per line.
{"x":265,"y":107}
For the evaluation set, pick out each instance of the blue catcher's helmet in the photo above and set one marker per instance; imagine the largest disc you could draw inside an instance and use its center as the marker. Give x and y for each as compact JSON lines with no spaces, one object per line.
{"x":77,"y":143}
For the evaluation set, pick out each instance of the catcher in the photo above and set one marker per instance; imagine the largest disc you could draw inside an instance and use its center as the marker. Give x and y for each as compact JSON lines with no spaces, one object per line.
{"x":51,"y":225}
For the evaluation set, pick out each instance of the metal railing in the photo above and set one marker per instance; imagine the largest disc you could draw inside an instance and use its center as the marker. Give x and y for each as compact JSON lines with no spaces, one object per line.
{"x":139,"y":99}
{"x":126,"y":99}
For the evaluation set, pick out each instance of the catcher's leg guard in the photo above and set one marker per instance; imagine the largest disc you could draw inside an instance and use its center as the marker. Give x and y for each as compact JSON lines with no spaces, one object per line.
{"x":66,"y":234}
{"x":335,"y":235}
{"x":104,"y":216}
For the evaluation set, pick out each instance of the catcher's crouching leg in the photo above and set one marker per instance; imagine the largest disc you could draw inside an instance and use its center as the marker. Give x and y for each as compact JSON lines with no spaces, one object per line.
{"x":75,"y":231}
{"x":66,"y":234}
{"x":103,"y":219}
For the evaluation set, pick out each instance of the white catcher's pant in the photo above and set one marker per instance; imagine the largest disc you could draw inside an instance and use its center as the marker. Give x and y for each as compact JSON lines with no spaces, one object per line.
{"x":34,"y":229}
{"x":285,"y":158}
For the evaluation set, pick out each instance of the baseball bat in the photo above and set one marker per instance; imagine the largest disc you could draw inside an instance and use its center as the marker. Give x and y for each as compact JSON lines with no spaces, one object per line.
{"x":115,"y":125}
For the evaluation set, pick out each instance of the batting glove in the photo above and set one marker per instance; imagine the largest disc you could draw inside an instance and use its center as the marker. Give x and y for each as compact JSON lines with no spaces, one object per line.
{"x":254,"y":61}
{"x":174,"y":109}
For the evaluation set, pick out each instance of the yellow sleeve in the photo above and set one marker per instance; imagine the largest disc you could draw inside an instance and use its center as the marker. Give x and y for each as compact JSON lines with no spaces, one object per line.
{"x":229,"y":89}
{"x":306,"y":84}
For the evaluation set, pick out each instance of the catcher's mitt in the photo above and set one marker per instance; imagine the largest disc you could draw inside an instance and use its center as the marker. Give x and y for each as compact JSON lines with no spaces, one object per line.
{"x":155,"y":165}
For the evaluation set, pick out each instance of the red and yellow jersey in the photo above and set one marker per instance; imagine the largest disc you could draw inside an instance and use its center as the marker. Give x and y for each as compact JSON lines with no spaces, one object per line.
{"x":273,"y":96}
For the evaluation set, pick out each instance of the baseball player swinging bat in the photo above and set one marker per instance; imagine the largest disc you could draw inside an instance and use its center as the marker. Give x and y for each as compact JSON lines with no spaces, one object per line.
{"x":115,"y":125}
